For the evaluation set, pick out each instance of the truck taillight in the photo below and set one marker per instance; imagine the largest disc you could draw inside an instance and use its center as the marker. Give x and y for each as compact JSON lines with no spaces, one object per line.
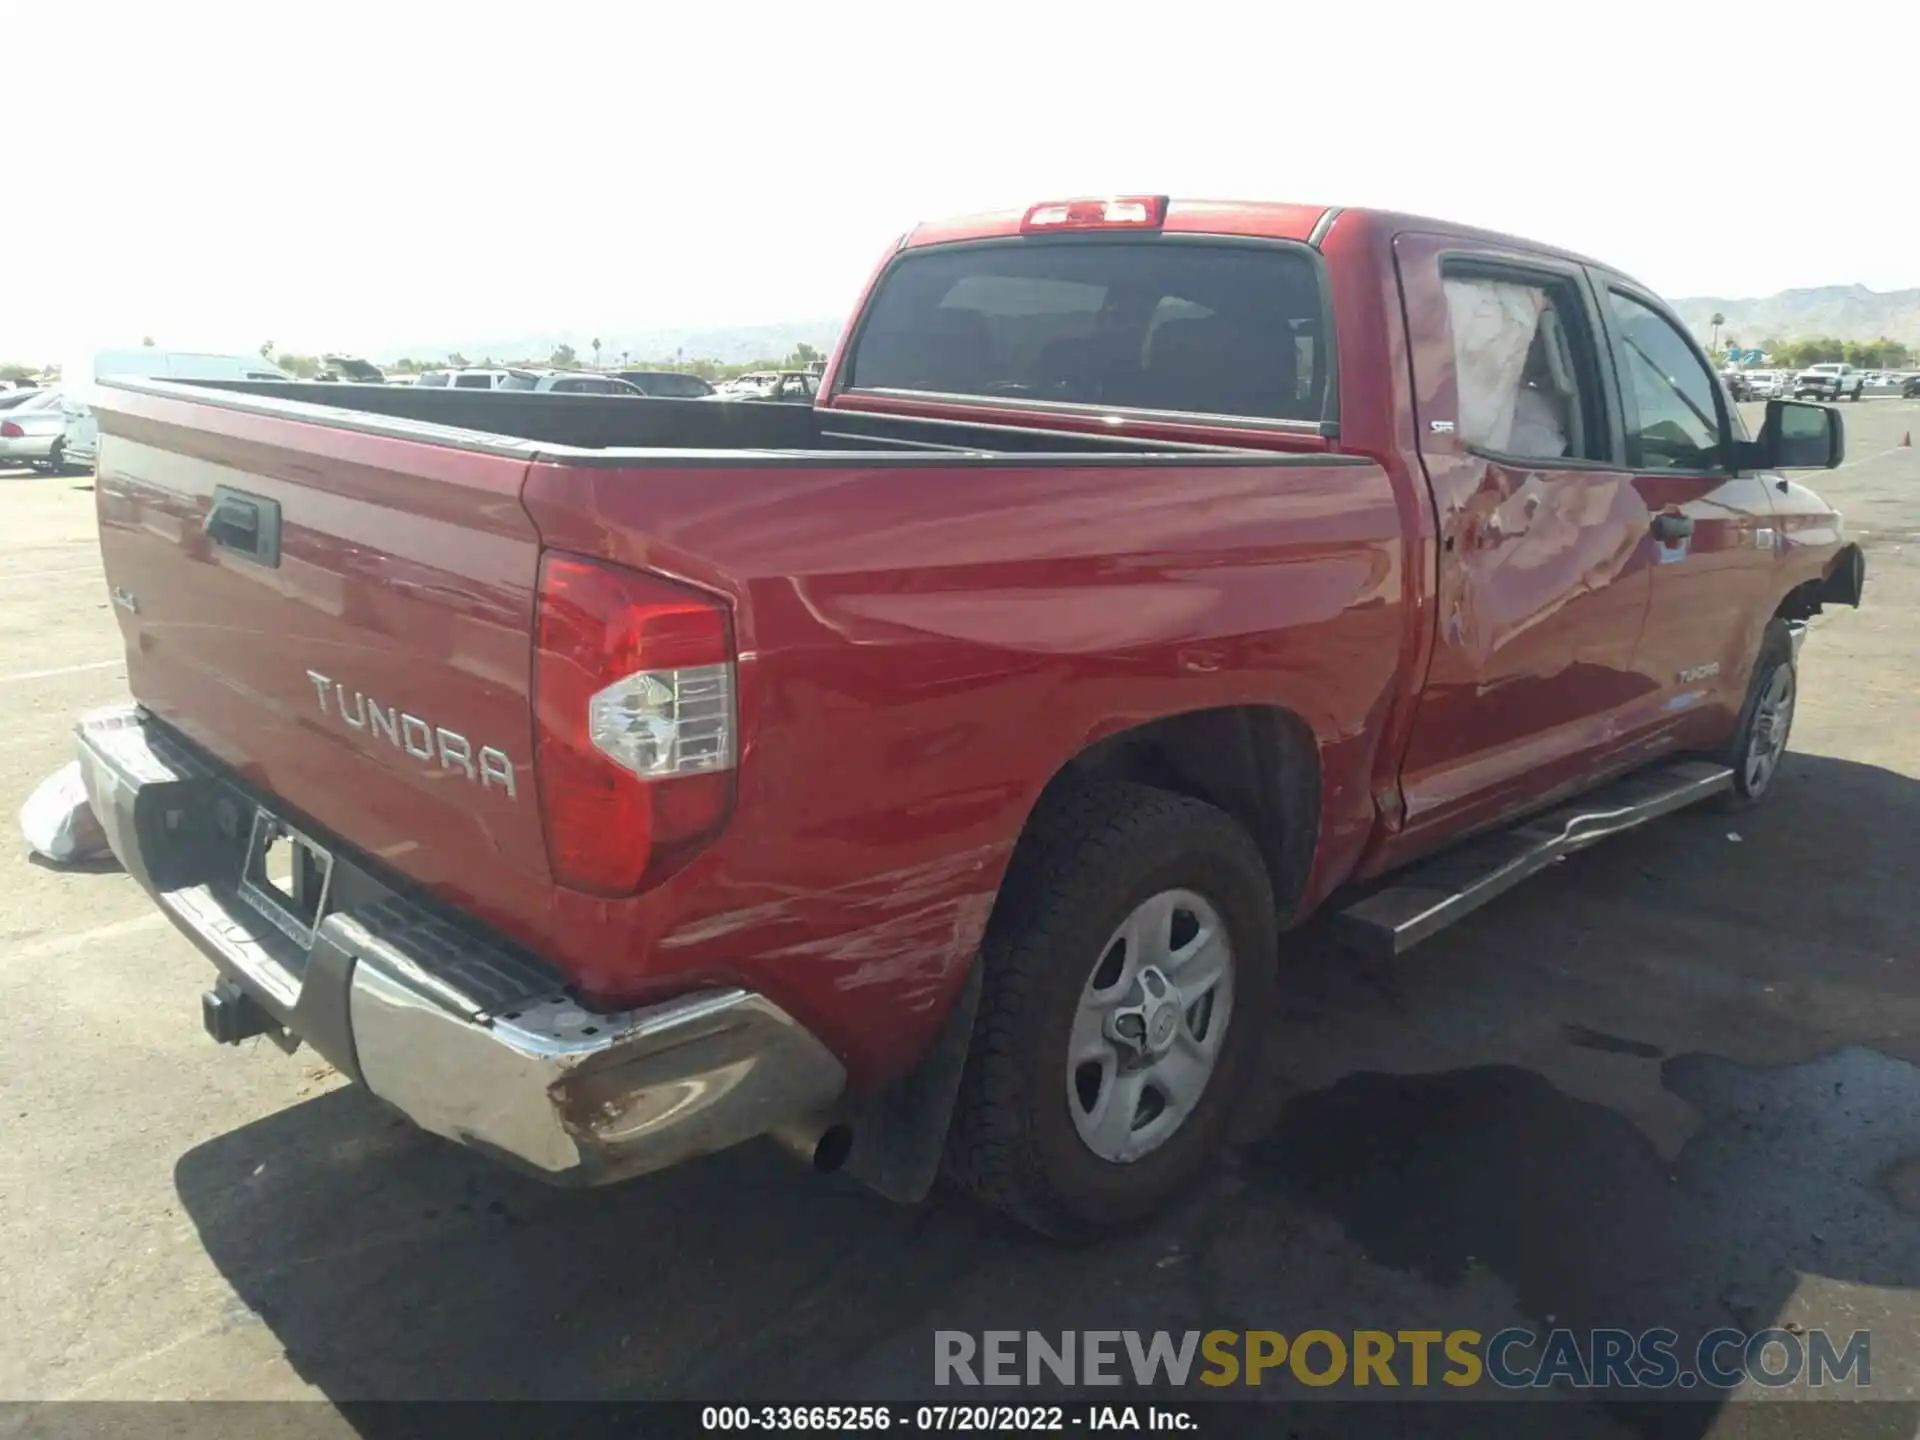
{"x":634,"y":707}
{"x":1123,"y":212}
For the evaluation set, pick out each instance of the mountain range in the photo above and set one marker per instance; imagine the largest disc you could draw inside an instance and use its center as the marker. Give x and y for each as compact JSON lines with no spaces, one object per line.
{"x":730,"y":345}
{"x":1844,"y":312}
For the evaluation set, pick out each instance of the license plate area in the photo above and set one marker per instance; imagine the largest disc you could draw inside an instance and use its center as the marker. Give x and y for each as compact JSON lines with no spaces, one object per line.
{"x":286,"y":877}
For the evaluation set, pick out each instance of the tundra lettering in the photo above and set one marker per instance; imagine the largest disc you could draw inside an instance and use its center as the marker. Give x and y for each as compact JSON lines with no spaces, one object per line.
{"x":455,"y":751}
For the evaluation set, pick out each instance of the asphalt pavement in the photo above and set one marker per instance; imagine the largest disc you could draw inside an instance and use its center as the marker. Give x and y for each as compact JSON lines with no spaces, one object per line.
{"x":1671,"y":1082}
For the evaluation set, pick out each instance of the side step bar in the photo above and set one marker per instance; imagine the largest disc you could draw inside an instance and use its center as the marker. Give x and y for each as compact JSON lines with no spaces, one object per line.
{"x":1434,"y":893}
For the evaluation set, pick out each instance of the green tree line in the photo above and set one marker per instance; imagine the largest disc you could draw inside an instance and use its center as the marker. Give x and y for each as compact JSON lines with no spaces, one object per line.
{"x":1881,"y":354}
{"x":564,"y":357}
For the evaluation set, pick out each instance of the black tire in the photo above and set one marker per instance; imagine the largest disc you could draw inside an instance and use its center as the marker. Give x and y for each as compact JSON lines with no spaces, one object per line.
{"x":1089,"y":860}
{"x":57,"y":458}
{"x":1776,"y":653}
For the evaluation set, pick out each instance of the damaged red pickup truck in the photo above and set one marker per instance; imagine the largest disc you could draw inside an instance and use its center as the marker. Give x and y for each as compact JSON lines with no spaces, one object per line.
{"x":927,"y":778}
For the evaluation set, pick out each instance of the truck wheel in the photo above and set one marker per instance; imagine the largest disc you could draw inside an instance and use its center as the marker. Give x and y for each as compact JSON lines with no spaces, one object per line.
{"x":1759,"y":739}
{"x":1128,"y":972}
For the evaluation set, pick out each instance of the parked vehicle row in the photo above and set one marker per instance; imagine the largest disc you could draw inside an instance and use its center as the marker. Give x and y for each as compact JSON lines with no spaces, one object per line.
{"x":1828,"y":382}
{"x":62,"y":434}
{"x":928,"y":775}
{"x":667,"y":384}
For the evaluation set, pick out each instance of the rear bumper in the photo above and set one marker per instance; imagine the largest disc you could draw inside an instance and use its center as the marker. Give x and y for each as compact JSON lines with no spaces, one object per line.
{"x":18,"y":449}
{"x":468,"y":1036}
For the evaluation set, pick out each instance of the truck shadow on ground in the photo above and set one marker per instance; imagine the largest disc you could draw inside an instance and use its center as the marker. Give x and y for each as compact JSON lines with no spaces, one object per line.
{"x":1669,"y":1084}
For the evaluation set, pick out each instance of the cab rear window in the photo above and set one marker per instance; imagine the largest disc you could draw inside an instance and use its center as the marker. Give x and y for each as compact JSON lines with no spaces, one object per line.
{"x":1161,"y":324}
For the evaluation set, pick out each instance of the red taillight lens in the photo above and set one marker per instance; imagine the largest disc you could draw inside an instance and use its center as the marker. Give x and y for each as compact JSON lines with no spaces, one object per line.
{"x":1123,"y":212}
{"x":633,"y":698}
{"x":11,"y":430}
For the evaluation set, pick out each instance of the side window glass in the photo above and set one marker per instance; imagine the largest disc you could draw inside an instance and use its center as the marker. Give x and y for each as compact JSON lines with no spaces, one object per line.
{"x":1679,"y":418}
{"x":1523,"y":365}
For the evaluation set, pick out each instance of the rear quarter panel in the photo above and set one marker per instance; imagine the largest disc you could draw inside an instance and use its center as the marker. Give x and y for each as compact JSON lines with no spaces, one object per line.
{"x":923,"y":647}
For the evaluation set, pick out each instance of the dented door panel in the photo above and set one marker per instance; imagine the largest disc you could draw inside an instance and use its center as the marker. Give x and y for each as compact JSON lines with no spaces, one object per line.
{"x":1543,"y":585}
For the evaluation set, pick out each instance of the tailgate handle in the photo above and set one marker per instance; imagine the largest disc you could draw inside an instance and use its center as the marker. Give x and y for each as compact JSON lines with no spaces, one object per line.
{"x":247,"y":525}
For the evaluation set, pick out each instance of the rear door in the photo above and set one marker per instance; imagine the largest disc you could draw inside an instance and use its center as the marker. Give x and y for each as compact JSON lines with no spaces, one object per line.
{"x":1713,"y":570}
{"x":344,"y":616}
{"x":1543,"y":565}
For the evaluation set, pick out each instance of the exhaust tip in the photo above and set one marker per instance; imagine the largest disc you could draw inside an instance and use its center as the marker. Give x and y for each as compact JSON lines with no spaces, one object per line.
{"x":833,"y":1148}
{"x":821,"y":1147}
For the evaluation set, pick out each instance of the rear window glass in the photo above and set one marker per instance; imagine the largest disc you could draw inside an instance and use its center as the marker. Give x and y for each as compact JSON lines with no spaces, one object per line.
{"x":434,"y":377}
{"x":474,"y":382}
{"x":1150,"y":325}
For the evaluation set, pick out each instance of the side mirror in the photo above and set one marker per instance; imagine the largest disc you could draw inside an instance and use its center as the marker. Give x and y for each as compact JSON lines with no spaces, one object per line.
{"x":1797,"y":436}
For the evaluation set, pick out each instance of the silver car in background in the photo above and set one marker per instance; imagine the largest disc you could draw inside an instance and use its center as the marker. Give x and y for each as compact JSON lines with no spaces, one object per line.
{"x":33,"y":433}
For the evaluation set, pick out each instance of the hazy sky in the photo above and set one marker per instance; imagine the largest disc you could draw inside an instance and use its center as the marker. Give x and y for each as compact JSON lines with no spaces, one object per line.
{"x":358,"y":177}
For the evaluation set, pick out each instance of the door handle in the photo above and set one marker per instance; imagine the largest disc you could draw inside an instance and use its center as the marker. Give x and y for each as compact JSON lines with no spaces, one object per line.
{"x":1668,"y":528}
{"x":246,"y":525}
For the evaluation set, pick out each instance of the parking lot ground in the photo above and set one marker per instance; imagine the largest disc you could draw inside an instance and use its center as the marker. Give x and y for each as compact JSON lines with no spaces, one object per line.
{"x":1673,"y":1082}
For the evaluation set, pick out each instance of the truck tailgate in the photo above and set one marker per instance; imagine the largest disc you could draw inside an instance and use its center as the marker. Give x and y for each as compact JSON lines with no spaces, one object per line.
{"x":344,"y":617}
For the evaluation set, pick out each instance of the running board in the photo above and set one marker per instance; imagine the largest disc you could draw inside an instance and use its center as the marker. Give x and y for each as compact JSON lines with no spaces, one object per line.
{"x":1434,"y":893}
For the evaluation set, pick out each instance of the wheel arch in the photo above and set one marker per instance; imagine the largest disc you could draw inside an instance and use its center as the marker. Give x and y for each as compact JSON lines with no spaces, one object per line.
{"x":1258,"y":763}
{"x":1843,"y":583}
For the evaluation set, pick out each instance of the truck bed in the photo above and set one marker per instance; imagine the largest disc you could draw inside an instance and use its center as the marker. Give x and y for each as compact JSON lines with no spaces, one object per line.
{"x":929,"y":620}
{"x":616,"y":422}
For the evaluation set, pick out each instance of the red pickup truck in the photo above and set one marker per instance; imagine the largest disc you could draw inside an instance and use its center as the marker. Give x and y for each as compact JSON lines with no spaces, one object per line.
{"x":927,"y":777}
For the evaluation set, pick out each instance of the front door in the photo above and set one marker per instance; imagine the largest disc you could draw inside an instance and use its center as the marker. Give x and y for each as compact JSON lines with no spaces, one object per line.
{"x":1713,"y":571}
{"x":1543,"y":562}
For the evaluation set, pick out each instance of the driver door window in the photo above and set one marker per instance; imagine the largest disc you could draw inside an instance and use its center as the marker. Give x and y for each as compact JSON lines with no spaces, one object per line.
{"x":1675,"y":422}
{"x":1523,"y":366}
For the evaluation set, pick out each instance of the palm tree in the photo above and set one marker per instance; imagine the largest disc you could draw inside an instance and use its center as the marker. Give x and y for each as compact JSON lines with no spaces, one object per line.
{"x":596,"y":352}
{"x":1717,"y":321}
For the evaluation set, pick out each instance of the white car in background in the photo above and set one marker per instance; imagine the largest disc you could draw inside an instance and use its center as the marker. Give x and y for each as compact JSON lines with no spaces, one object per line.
{"x":479,"y":378}
{"x":1830,"y":380}
{"x":558,"y":382}
{"x":569,"y":382}
{"x":81,"y":435}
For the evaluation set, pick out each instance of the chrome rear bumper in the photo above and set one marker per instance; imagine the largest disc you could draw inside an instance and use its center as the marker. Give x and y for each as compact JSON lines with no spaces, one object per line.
{"x":468,"y":1036}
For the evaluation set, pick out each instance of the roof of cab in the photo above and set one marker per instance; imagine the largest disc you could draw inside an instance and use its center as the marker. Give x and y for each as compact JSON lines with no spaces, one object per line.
{"x":1259,"y":219}
{"x":1253,"y":219}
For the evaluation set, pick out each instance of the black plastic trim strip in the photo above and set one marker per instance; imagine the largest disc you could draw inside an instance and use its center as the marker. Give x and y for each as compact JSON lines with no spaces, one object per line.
{"x":906,"y":460}
{"x":480,"y":442}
